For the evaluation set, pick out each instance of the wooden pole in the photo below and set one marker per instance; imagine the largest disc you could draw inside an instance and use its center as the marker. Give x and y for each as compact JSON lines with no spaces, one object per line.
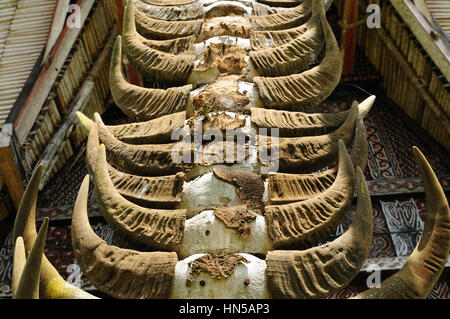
{"x":348,"y":43}
{"x":79,"y":103}
{"x":8,"y":168}
{"x":59,"y":18}
{"x":44,"y":83}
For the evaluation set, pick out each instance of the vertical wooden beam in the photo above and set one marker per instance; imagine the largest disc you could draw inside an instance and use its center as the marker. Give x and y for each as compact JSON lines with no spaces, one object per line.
{"x":348,"y":38}
{"x":8,"y":165}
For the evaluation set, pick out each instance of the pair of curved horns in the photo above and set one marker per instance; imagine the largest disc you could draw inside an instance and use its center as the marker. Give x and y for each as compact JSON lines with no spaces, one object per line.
{"x":155,"y":131}
{"x":320,"y":271}
{"x":163,"y":3}
{"x":154,"y":65}
{"x":143,"y":104}
{"x":153,"y":228}
{"x":178,"y":12}
{"x":292,"y":57}
{"x":287,"y":188}
{"x":291,"y":124}
{"x":121,"y":273}
{"x":309,"y":153}
{"x":273,"y":38}
{"x":143,"y":160}
{"x":304,"y":90}
{"x":159,"y":29}
{"x":285,"y":19}
{"x":156,"y":192}
{"x":26,"y":271}
{"x":51,"y":284}
{"x":303,"y":223}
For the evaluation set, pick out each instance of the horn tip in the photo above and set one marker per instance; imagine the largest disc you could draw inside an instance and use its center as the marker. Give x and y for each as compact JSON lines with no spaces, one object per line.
{"x":366,"y":105}
{"x":84,"y":121}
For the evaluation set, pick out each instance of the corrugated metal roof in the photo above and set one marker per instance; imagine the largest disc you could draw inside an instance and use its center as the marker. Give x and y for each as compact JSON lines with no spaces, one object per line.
{"x":24,"y":28}
{"x":440,"y":10}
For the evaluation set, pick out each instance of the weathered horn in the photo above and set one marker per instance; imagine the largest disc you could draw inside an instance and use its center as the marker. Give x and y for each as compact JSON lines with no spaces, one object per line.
{"x":285,"y":19}
{"x":307,"y":89}
{"x":154,"y":65}
{"x":311,"y":220}
{"x":143,"y":160}
{"x":281,"y":3}
{"x":426,"y":263}
{"x":260,"y":39}
{"x":292,"y":57}
{"x":309,"y":153}
{"x":261,"y":9}
{"x":153,"y":131}
{"x":153,"y":228}
{"x":320,"y":271}
{"x":19,"y":261}
{"x":184,"y":45}
{"x":152,"y":192}
{"x":51,"y":284}
{"x":169,"y":2}
{"x":292,"y":124}
{"x":120,"y":273}
{"x":142,"y":104}
{"x":288,"y":188}
{"x":360,"y":147}
{"x":179,"y":12}
{"x":28,"y":286}
{"x":157,"y":29}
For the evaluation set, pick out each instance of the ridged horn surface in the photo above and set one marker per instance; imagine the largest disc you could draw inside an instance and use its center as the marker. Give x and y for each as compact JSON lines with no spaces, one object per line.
{"x":120,"y":273}
{"x":163,"y":3}
{"x":308,"y":153}
{"x":184,"y":45}
{"x":281,"y":3}
{"x":28,"y":287}
{"x":360,"y":147}
{"x":311,"y":220}
{"x":320,"y":271}
{"x":285,"y":19}
{"x":181,"y":12}
{"x":142,"y":104}
{"x":143,"y":160}
{"x":154,"y":228}
{"x":152,"y":192}
{"x":292,"y":57}
{"x":288,"y":188}
{"x":426,"y":263}
{"x":51,"y":284}
{"x":260,"y":9}
{"x":261,"y":39}
{"x":157,"y":29}
{"x":292,"y":124}
{"x":154,"y":65}
{"x":153,"y":131}
{"x":307,"y":89}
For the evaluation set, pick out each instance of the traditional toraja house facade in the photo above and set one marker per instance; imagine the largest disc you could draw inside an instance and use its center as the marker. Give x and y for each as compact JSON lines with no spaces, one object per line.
{"x":347,"y":193}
